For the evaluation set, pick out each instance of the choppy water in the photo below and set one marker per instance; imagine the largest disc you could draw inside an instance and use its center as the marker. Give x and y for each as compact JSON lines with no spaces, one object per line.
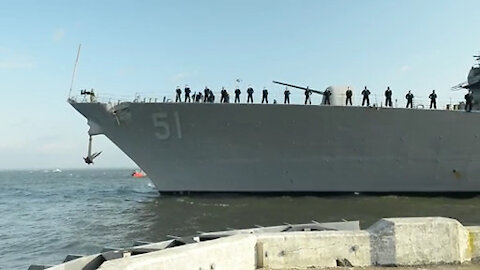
{"x":45,"y":215}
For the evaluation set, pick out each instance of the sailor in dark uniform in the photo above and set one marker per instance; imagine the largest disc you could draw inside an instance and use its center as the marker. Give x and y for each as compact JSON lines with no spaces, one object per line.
{"x":433,"y":100}
{"x":237,"y":95}
{"x":206,"y":93}
{"x":409,"y":98}
{"x":199,"y":97}
{"x":388,"y":97}
{"x":287,"y":96}
{"x":250,"y":94}
{"x":365,"y":94}
{"x":179,"y":93}
{"x":349,"y":95}
{"x":223,"y":95}
{"x":307,"y":96}
{"x":265,"y":95}
{"x":187,"y":93}
{"x":326,"y":97}
{"x":226,"y":98}
{"x":468,"y":101}
{"x":211,"y":97}
{"x":90,"y":93}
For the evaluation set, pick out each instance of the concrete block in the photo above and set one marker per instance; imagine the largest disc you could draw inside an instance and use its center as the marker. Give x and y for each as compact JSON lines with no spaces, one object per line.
{"x":419,"y":241}
{"x":38,"y":267}
{"x":313,"y":249}
{"x":389,"y":242}
{"x":141,"y":243}
{"x":115,"y":254}
{"x":157,"y":246}
{"x":233,"y":252}
{"x":84,"y":263}
{"x":474,"y":242}
{"x":71,"y":257}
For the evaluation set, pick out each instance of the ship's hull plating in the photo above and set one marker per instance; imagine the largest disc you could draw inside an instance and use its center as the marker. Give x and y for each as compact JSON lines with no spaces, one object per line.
{"x":294,"y":148}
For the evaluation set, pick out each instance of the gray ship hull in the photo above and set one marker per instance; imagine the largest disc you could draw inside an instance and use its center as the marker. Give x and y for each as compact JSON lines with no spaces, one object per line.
{"x":198,"y":147}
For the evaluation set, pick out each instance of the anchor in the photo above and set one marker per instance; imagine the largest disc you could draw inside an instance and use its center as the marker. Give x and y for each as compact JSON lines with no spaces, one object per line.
{"x":90,"y":157}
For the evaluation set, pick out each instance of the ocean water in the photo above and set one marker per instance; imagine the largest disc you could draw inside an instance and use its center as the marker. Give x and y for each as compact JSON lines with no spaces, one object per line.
{"x":46,"y":215}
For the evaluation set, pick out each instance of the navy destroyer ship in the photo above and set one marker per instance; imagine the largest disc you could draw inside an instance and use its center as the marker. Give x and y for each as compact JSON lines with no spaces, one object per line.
{"x":295,"y":148}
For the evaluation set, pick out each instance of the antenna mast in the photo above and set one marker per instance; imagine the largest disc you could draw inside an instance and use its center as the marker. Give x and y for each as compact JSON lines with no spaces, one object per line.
{"x":74,"y":69}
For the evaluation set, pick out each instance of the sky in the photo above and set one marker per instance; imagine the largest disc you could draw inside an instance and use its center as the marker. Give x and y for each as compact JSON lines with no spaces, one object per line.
{"x":150,"y":47}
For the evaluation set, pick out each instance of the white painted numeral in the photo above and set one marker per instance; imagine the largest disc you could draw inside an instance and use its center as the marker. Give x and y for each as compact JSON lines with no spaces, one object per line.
{"x":160,"y":122}
{"x":177,"y":123}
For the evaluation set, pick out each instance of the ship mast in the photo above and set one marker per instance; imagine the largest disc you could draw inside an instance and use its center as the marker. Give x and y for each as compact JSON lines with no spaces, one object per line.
{"x":74,"y":69}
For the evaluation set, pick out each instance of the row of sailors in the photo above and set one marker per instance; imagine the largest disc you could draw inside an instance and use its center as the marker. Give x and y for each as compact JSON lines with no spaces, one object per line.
{"x":388,"y":98}
{"x":208,"y":96}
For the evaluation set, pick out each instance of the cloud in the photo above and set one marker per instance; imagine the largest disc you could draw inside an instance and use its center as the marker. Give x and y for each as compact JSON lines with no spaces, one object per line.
{"x":405,"y":68}
{"x":9,"y":145}
{"x":124,"y":71}
{"x":178,"y":77}
{"x":12,"y":60}
{"x":183,"y":77}
{"x":15,"y":64}
{"x":56,"y":148}
{"x":58,"y":34}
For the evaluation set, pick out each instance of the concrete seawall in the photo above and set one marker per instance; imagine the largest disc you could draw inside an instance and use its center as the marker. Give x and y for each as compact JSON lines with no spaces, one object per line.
{"x":388,"y":242}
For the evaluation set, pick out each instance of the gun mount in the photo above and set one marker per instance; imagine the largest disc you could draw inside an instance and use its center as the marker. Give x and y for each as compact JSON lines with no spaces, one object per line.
{"x":300,"y":87}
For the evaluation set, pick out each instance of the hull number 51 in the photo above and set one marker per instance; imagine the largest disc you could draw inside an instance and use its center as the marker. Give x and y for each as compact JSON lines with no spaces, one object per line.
{"x":162,"y":122}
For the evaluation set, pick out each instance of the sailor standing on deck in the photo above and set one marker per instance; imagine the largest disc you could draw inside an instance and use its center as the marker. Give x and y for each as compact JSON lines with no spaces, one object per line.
{"x":226,"y":99}
{"x":206,"y":93}
{"x":211,"y":97}
{"x":250,"y":94}
{"x":326,"y":97}
{"x":468,"y":101}
{"x":365,"y":94}
{"x":92,"y":96}
{"x":349,"y":95}
{"x":179,"y":93}
{"x":388,"y":97}
{"x":237,"y":95}
{"x":433,"y":100}
{"x":90,"y":93}
{"x":287,"y":96}
{"x":187,"y":93}
{"x":409,"y":98}
{"x":307,"y":96}
{"x":265,"y":95}
{"x":224,"y":96}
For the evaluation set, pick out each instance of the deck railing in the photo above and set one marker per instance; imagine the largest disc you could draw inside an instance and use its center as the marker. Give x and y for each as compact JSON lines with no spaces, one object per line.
{"x":419,"y":102}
